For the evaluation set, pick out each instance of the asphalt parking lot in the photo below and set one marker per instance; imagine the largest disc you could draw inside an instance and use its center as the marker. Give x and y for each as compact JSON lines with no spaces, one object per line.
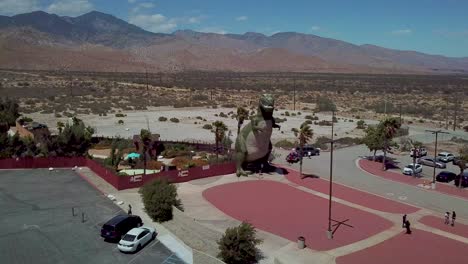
{"x":37,"y":224}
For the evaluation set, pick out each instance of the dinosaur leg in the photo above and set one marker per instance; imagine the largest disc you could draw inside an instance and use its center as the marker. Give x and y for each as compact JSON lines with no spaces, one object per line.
{"x":241,"y":156}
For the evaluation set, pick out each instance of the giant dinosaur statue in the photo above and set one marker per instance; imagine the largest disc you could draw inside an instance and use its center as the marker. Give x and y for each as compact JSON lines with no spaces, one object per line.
{"x":253,"y":143}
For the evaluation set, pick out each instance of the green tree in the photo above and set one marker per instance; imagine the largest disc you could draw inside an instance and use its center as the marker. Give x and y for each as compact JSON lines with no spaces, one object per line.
{"x":60,"y":126}
{"x":116,"y":154}
{"x":325,"y":104}
{"x":361,"y":124}
{"x":238,"y":245}
{"x":219,"y":130}
{"x":304,"y":135}
{"x":373,"y":139}
{"x":242,"y":114}
{"x":74,"y":140}
{"x":463,"y":160}
{"x":9,"y":111}
{"x":159,"y":196}
{"x":389,"y":127}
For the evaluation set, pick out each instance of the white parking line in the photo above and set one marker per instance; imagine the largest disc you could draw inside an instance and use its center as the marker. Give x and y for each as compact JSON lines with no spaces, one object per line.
{"x":141,"y":252}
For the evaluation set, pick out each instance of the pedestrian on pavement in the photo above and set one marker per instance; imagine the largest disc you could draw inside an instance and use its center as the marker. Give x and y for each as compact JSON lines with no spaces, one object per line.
{"x":454,"y":215}
{"x":404,"y":220}
{"x":407,"y":225}
{"x":447,"y":218}
{"x":129,"y":209}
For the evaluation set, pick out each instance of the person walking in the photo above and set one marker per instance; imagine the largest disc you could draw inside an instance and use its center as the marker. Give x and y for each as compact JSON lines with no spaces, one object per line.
{"x":447,"y":218}
{"x":407,"y":225}
{"x":454,"y":215}
{"x":404,"y":221}
{"x":129,"y":209}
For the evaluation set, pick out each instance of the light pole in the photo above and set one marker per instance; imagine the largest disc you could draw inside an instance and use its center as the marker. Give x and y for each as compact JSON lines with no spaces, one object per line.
{"x":436,"y":132}
{"x":329,"y":231}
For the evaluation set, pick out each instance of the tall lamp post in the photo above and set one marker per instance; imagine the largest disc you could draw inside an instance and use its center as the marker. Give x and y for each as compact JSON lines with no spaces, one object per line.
{"x":329,"y":231}
{"x":436,"y":132}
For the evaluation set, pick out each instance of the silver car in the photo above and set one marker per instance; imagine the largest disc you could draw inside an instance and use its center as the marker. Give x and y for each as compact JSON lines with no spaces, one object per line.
{"x":429,"y":161}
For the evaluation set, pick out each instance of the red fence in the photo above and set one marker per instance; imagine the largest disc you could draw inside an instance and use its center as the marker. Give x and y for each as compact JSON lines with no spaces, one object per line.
{"x":119,"y":182}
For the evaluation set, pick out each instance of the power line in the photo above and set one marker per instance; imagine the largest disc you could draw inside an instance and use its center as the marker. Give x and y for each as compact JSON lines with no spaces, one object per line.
{"x":436,"y":132}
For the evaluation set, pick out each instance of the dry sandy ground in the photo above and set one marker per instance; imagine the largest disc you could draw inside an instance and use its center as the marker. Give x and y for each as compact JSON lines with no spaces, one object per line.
{"x":187,"y":130}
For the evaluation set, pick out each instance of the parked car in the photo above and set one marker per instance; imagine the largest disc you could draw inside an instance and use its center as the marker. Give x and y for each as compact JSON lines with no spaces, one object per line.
{"x":412,"y":169}
{"x":293,"y":157}
{"x":464,"y":178}
{"x":429,"y":161}
{"x":445,"y":176}
{"x":308,"y":151}
{"x":420,"y":152}
{"x":136,"y":239}
{"x":115,"y":228}
{"x":445,"y":157}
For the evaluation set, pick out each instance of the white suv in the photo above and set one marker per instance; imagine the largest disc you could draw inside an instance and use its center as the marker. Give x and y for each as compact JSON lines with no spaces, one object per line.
{"x":445,"y":157}
{"x":420,"y":152}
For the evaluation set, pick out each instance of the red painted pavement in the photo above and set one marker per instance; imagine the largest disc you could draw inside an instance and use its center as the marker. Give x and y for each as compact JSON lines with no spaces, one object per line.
{"x":351,"y":195}
{"x":288,"y":212}
{"x":375,"y":168}
{"x":420,"y":247}
{"x":436,"y":222}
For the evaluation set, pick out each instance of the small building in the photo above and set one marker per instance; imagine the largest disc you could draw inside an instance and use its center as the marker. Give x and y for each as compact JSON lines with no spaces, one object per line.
{"x":33,"y":130}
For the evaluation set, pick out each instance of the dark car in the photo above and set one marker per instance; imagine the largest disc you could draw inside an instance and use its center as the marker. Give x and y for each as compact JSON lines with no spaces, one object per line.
{"x":445,"y":176}
{"x":118,"y":226}
{"x":464,"y":177}
{"x":308,"y":151}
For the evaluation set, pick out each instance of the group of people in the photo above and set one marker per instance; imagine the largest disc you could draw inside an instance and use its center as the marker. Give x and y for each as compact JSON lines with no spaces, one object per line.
{"x":447,"y":218}
{"x":407,"y":224}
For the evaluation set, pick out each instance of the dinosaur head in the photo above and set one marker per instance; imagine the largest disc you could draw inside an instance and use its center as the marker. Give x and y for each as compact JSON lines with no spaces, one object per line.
{"x":266,"y":105}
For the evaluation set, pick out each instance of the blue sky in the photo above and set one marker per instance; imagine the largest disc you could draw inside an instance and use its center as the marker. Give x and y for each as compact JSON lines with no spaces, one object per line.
{"x":430,"y":26}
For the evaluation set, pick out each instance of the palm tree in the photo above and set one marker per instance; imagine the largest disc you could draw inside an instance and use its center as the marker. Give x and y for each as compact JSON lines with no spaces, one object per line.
{"x":242,"y":114}
{"x":304,"y":135}
{"x":145,"y":137}
{"x":219,"y":129}
{"x":389,"y":127}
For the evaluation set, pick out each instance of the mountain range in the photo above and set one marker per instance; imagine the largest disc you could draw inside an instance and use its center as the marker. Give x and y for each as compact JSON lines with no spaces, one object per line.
{"x":101,"y":42}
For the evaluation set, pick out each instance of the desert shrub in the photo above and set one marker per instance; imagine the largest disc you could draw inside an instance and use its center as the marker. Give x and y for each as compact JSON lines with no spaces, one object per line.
{"x":181,"y":104}
{"x":174,"y":120}
{"x":286,"y":113}
{"x":324,"y":123}
{"x":162,"y":119}
{"x":200,"y":97}
{"x":299,"y":113}
{"x":309,"y":117}
{"x":238,"y":245}
{"x":208,"y":126}
{"x":58,"y":115}
{"x":361,"y":124}
{"x":308,"y":122}
{"x":325,"y":104}
{"x":120,"y":122}
{"x":199,"y":118}
{"x":120,"y":115}
{"x":284,"y":144}
{"x":459,"y":140}
{"x":180,"y":162}
{"x":293,"y":114}
{"x":229,"y":105}
{"x":349,"y":141}
{"x":322,"y":142}
{"x":159,"y":197}
{"x":295,"y":130}
{"x":222,"y":114}
{"x":280,"y":120}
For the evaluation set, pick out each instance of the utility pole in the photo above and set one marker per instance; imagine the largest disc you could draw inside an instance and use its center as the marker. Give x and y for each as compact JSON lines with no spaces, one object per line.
{"x":294,"y":95}
{"x":446,"y":112}
{"x":436,"y":132}
{"x":147,"y":85}
{"x":329,"y":231}
{"x":455,"y":112}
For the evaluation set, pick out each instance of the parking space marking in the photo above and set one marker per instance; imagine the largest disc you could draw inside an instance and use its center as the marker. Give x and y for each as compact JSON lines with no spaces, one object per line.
{"x":170,"y":259}
{"x":403,"y":198}
{"x":141,"y":251}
